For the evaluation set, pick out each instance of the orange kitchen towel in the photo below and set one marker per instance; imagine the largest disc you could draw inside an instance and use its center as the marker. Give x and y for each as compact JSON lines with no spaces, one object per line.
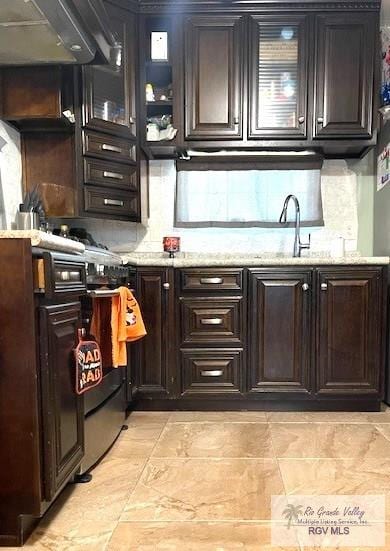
{"x":126,"y":324}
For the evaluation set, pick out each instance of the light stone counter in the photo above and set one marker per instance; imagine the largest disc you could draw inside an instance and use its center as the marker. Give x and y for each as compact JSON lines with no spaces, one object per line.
{"x":45,"y":240}
{"x":194,"y":260}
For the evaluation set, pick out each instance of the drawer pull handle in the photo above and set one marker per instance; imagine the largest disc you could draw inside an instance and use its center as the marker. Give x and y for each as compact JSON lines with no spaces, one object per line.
{"x":115,"y":175}
{"x":320,"y":120}
{"x":301,"y":120}
{"x":211,"y":372}
{"x":305,"y":287}
{"x":211,"y":321}
{"x":211,"y":280}
{"x":113,"y":148}
{"x":66,"y":275}
{"x":114,"y":202}
{"x":105,"y":293}
{"x":324,"y":286}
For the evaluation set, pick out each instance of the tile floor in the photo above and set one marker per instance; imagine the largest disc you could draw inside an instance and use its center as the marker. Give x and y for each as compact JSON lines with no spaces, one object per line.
{"x":202,"y":481}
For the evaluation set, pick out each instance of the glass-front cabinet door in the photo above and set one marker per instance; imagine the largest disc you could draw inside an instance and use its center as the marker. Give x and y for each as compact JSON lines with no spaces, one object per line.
{"x":278,"y":82}
{"x":109,"y":90}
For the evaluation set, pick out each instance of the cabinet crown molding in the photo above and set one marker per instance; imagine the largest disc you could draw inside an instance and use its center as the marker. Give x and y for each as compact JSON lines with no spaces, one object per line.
{"x":249,"y":6}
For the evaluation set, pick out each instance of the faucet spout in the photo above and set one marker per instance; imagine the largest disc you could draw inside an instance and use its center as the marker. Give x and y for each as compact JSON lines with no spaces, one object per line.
{"x":298,"y":245}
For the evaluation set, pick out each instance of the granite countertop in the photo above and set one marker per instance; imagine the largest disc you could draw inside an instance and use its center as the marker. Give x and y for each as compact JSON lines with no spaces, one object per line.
{"x":45,"y":240}
{"x":194,"y":260}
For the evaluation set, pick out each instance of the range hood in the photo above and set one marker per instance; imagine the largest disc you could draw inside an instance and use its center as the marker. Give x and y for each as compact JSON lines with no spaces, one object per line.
{"x":35,"y":32}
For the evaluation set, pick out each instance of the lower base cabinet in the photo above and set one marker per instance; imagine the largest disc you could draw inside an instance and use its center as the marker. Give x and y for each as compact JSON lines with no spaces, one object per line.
{"x":288,"y":336}
{"x":350,"y":331}
{"x":62,"y":408}
{"x":279,"y":331}
{"x":155,"y":352}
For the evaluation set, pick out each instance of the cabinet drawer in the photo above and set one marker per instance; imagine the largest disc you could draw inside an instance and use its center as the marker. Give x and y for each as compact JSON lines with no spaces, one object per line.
{"x":210,"y":371}
{"x":109,"y":147}
{"x":210,"y":320}
{"x":58,"y":274}
{"x":116,"y":203}
{"x":211,"y":279}
{"x":105,"y":173}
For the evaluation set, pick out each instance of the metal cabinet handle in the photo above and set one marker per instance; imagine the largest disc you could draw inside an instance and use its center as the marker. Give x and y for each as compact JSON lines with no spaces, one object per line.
{"x":114,"y":148}
{"x":305,"y":287}
{"x":324,"y":286}
{"x":211,"y":280}
{"x":132,"y":120}
{"x":211,"y":372}
{"x":320,"y":120}
{"x":211,"y":321}
{"x":105,"y":293}
{"x":236,"y":120}
{"x":114,"y":202}
{"x":301,"y":120}
{"x":115,"y":175}
{"x":166,"y":286}
{"x":68,"y":275}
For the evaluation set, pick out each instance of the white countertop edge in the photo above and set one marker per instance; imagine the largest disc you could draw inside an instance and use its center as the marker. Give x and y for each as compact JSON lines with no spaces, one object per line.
{"x":45,"y":240}
{"x":147,"y":259}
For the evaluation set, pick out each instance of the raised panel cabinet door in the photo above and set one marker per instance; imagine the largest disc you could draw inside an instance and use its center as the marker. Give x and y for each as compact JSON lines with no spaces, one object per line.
{"x":213,"y":77}
{"x":278,"y":77}
{"x":109,"y":90}
{"x":279,"y":332}
{"x":344,"y":75}
{"x":62,"y":408}
{"x":350,"y":323}
{"x":156,"y":355}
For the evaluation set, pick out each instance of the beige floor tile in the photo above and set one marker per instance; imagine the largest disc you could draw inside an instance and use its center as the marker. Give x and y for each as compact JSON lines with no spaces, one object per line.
{"x":148,"y":417}
{"x":336,"y":476}
{"x":205,"y":489}
{"x":384,"y":429}
{"x":89,"y":536}
{"x":218,"y":417}
{"x":84,"y":515}
{"x":214,"y":440}
{"x":137,"y":441}
{"x":382,"y":416}
{"x":193,"y":536}
{"x":316,"y":417}
{"x":314,"y":440}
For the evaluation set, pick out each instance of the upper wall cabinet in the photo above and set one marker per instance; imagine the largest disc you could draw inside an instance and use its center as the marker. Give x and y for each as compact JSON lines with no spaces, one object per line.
{"x":344,"y":75}
{"x":109,"y":90}
{"x":278,"y":77}
{"x":213,"y":77}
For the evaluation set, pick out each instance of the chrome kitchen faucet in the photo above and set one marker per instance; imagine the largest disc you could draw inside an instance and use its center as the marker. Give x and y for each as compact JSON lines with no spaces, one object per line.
{"x":298,"y":246}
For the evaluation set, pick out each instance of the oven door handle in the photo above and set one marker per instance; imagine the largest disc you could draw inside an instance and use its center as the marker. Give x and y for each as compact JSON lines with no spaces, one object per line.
{"x":95,"y":293}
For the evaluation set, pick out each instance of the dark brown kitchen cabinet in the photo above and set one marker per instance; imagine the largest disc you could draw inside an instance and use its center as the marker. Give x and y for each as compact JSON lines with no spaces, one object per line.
{"x":350,"y":331}
{"x":156,"y":351}
{"x":278,"y":66}
{"x":62,"y":408}
{"x":109,"y":90}
{"x":213,"y":77}
{"x":345,"y":65}
{"x":279,"y":331}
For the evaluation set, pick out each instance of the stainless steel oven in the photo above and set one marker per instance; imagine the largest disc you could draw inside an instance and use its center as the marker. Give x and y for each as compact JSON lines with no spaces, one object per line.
{"x":105,"y":405}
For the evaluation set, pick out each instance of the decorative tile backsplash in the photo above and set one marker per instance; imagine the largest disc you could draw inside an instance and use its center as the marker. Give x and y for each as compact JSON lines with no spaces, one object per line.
{"x":340,"y":205}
